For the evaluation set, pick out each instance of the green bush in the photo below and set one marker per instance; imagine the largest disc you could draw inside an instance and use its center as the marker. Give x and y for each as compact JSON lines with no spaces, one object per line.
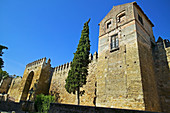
{"x":42,"y":103}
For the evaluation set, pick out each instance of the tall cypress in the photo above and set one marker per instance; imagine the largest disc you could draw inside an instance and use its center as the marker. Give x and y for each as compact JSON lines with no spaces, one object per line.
{"x":79,"y":67}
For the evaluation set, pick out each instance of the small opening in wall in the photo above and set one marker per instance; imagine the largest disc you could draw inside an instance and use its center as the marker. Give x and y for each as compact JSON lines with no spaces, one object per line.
{"x":140,"y":19}
{"x":105,"y":57}
{"x":127,"y":64}
{"x":121,"y":17}
{"x":120,"y":66}
{"x":109,"y":25}
{"x":135,"y":62}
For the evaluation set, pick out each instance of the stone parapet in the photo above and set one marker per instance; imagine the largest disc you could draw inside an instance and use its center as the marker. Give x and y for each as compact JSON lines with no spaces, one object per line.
{"x":36,"y":63}
{"x":66,"y":67}
{"x":61,"y":68}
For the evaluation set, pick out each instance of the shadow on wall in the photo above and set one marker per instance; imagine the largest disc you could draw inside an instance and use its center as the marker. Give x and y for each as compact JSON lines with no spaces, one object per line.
{"x":27,"y":86}
{"x":66,"y":108}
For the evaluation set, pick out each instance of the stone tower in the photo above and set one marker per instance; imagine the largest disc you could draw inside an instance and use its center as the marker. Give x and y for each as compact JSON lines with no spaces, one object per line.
{"x":36,"y":77}
{"x":125,"y":70}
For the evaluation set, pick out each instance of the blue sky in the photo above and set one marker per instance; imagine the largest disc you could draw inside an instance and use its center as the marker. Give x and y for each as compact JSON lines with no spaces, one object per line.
{"x":33,"y":29}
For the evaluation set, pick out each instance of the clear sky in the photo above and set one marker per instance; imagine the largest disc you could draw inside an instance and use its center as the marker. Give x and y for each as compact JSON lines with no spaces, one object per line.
{"x":33,"y":29}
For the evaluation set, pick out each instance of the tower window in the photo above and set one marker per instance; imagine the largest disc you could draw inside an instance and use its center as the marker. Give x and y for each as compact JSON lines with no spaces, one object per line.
{"x":121,"y":18}
{"x":114,"y":42}
{"x":140,"y":19}
{"x":109,"y":25}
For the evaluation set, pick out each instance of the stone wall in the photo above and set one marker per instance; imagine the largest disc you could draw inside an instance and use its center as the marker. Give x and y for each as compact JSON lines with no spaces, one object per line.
{"x":64,"y":108}
{"x":87,"y":91}
{"x":168,"y":56}
{"x":162,"y":69}
{"x":14,"y":89}
{"x":148,"y":76}
{"x":145,"y":40}
{"x":57,"y":86}
{"x":10,"y":106}
{"x":37,"y":77}
{"x":43,"y":83}
{"x":5,"y":85}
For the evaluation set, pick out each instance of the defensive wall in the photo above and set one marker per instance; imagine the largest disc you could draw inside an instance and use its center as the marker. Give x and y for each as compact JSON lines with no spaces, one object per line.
{"x":65,"y":108}
{"x":162,"y":70}
{"x":130,"y":71}
{"x":14,"y":89}
{"x":36,"y":77}
{"x":57,"y":88}
{"x":5,"y":85}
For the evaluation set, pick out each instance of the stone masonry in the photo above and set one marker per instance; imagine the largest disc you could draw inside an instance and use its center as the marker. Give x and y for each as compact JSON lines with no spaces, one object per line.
{"x":5,"y":85}
{"x":130,"y":70}
{"x":36,"y":76}
{"x":162,"y":70}
{"x":123,"y":78}
{"x":13,"y":91}
{"x":87,"y":92}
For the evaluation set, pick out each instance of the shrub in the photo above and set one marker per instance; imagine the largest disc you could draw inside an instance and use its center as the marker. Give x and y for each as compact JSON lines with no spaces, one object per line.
{"x":42,"y":103}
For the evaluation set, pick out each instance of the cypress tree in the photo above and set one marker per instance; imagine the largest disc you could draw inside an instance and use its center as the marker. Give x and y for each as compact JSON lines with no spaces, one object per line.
{"x":78,"y":72}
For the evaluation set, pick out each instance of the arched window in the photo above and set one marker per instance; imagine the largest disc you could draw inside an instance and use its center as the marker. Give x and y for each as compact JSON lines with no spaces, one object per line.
{"x":109,"y":23}
{"x":121,"y":17}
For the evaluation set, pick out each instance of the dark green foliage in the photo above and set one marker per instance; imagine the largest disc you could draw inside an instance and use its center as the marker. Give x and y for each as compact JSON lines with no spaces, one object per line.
{"x":78,"y":73}
{"x":42,"y":103}
{"x":1,"y":61}
{"x":3,"y":74}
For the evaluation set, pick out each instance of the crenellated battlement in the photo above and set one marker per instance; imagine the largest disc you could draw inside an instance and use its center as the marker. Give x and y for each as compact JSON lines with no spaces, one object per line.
{"x":66,"y":66}
{"x":37,"y":62}
{"x":94,"y":56}
{"x":165,"y":42}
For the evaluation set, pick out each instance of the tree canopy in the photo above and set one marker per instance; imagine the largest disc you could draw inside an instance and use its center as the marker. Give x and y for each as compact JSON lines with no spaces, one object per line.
{"x":1,"y":53}
{"x":3,"y":74}
{"x":78,"y":72}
